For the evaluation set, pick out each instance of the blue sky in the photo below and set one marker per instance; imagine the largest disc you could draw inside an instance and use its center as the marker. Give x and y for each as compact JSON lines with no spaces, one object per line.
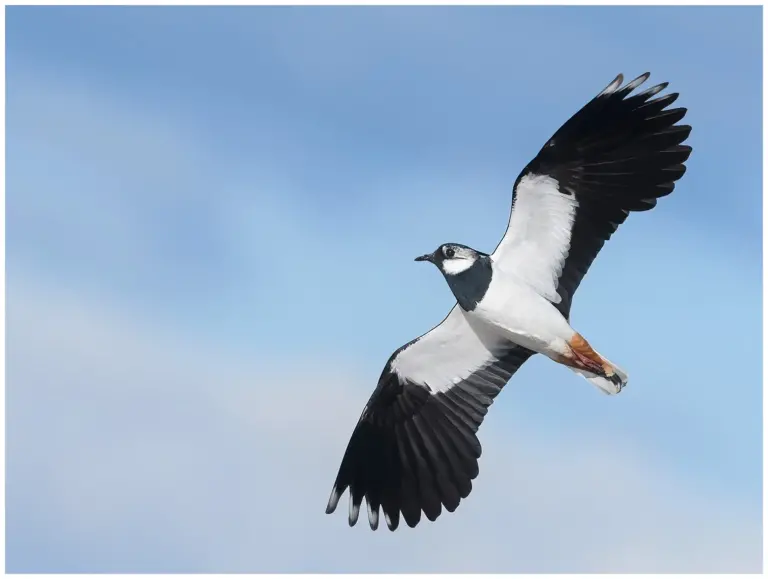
{"x":211,"y":219}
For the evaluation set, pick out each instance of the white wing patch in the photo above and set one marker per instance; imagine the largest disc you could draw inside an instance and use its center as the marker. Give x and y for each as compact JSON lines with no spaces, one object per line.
{"x":537,"y":241}
{"x":449,"y":353}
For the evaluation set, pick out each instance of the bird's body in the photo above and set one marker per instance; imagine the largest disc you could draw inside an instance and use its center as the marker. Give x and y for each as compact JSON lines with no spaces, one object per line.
{"x":520,"y":314}
{"x":415,"y":449}
{"x":511,"y":309}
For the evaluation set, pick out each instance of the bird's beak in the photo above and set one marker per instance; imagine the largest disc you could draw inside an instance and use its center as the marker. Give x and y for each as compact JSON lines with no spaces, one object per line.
{"x":425,"y":257}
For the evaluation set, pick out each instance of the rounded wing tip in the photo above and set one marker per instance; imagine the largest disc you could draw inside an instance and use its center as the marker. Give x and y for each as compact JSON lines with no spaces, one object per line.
{"x":614,"y":84}
{"x":637,"y":82}
{"x":373,"y":517}
{"x":354,"y":509}
{"x":391,"y":524}
{"x":654,"y":90}
{"x":333,"y":500}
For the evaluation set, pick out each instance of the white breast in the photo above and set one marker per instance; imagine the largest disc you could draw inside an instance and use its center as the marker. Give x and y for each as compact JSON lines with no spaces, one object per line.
{"x":521,"y":314}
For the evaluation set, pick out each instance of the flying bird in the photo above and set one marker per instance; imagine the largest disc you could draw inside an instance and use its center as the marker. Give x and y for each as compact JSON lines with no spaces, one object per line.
{"x":415,"y":449}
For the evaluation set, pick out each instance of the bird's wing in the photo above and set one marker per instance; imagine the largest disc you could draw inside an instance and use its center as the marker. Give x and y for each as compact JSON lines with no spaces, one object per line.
{"x":619,"y":153}
{"x":415,"y":447}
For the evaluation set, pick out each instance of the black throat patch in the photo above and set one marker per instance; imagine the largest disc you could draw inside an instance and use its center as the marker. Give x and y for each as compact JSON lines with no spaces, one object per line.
{"x":470,"y":285}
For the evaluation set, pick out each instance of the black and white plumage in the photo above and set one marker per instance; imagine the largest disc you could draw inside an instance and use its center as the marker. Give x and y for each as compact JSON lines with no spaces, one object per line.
{"x":415,"y":448}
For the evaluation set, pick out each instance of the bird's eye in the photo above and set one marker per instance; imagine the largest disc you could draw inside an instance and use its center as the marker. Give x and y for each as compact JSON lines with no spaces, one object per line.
{"x":450,"y":252}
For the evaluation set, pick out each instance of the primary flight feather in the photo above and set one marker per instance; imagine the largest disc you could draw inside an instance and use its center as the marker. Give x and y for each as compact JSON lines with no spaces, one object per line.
{"x":415,"y":448}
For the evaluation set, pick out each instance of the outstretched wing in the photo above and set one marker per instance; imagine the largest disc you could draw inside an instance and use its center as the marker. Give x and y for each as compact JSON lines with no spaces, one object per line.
{"x":619,"y":153}
{"x":415,"y":447}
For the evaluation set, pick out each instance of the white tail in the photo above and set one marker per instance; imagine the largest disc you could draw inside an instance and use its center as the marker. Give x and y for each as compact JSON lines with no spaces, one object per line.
{"x":611,"y":385}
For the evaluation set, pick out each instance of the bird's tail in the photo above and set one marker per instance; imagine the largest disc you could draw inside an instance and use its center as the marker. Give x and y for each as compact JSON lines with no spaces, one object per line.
{"x":610,"y":381}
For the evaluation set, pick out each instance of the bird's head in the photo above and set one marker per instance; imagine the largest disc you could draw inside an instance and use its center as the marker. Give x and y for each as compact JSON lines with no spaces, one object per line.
{"x":452,"y":258}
